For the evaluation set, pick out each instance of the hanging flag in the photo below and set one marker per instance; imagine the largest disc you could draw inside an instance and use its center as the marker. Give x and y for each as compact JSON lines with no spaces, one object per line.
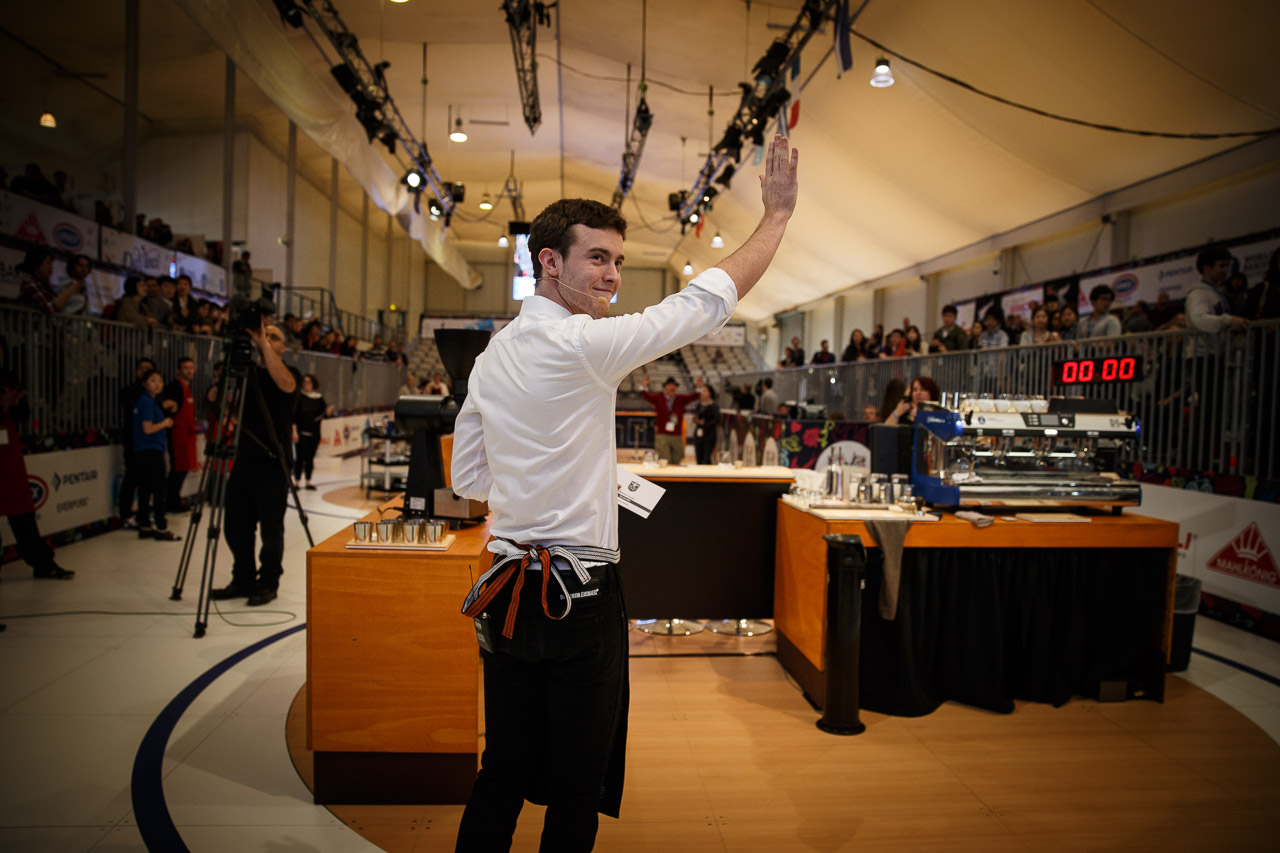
{"x":795,"y":114}
{"x":757,"y":155}
{"x":843,"y":45}
{"x":697,"y":231}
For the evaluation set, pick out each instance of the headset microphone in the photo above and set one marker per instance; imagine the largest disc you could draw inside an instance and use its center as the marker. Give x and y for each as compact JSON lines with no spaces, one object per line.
{"x":602,"y":304}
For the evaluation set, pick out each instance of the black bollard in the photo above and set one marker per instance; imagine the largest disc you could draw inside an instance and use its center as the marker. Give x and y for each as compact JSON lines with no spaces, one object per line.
{"x":846,"y":567}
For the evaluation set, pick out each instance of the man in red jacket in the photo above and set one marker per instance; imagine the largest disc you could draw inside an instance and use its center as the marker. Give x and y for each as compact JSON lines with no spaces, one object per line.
{"x":668,"y":427}
{"x":182,"y":438}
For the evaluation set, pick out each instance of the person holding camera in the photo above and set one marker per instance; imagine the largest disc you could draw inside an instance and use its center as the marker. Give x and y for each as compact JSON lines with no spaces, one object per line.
{"x":258,"y":486}
{"x":923,"y":390}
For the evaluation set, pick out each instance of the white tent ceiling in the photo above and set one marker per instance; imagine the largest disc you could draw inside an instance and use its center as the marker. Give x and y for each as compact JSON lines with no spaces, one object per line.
{"x":890,"y":177}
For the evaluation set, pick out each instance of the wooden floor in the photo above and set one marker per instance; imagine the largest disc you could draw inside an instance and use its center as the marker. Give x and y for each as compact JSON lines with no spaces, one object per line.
{"x":724,"y":756}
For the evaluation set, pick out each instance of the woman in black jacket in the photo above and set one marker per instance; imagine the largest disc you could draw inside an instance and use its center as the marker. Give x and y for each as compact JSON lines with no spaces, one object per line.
{"x":310,"y":411}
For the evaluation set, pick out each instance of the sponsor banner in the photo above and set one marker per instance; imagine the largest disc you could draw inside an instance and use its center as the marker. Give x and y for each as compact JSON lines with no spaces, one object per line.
{"x":205,"y":275}
{"x":430,"y":324}
{"x":72,"y":488}
{"x":33,"y":222}
{"x":1019,"y":301}
{"x":1176,"y":278}
{"x":339,"y":436}
{"x":10,"y":278}
{"x":134,"y":253}
{"x":729,"y":336}
{"x":1225,"y":542}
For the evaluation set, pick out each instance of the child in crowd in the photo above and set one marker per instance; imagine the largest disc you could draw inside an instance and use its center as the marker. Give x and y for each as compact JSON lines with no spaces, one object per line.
{"x":150,"y":446}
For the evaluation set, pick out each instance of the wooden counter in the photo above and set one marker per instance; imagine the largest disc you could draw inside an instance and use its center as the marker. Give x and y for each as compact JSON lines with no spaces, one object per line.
{"x":800,"y":588}
{"x":393,"y":671}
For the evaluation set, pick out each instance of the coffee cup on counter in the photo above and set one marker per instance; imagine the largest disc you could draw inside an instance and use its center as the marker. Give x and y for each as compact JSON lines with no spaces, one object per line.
{"x":362,"y":530}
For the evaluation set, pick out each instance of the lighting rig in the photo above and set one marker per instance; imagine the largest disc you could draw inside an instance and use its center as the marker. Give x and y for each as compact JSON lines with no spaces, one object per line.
{"x":366,"y":85}
{"x":523,"y":18}
{"x":640,"y":125}
{"x":761,"y":101}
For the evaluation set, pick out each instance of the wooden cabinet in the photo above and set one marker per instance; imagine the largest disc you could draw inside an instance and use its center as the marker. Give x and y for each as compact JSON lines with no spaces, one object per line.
{"x":393,"y":671}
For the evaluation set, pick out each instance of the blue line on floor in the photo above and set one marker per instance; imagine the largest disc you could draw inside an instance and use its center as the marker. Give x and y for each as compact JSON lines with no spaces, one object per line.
{"x":150,"y":811}
{"x":1256,"y":673}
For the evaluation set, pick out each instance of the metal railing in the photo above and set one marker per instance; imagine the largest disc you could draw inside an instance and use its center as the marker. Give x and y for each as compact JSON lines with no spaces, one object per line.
{"x":74,"y":368}
{"x":317,"y":303}
{"x":1206,"y":402}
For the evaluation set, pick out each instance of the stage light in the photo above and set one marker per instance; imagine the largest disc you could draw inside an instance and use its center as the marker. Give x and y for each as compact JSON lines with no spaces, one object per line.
{"x":883,"y":76}
{"x":717,"y":242}
{"x":47,"y":120}
{"x":486,"y":203}
{"x":388,"y":139}
{"x":289,"y":12}
{"x":413,"y":180}
{"x":458,"y":134}
{"x":503,"y":242}
{"x":688,"y":269}
{"x":693,"y":218}
{"x":726,"y":177}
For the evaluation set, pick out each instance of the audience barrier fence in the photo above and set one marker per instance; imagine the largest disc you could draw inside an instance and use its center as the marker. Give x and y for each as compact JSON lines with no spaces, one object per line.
{"x":73,"y":369}
{"x":1205,"y":402}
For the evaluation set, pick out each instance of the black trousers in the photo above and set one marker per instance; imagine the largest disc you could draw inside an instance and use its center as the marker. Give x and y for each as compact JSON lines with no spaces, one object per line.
{"x":149,"y":470}
{"x":305,"y":455}
{"x":128,"y":485}
{"x":31,"y":545}
{"x":704,"y":448}
{"x":555,"y":699}
{"x":255,"y":501}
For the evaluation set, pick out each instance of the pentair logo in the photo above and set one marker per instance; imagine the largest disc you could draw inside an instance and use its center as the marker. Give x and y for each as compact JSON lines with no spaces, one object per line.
{"x":1247,"y":556}
{"x":39,"y":490}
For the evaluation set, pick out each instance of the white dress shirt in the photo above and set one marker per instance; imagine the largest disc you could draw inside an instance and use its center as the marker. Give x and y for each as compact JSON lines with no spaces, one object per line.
{"x":535,"y":437}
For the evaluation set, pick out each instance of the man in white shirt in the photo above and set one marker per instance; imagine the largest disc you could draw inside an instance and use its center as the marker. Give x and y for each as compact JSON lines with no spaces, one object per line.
{"x":535,"y":438}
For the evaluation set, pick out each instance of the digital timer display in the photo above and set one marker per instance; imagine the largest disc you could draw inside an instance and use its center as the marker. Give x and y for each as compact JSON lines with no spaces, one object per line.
{"x":1097,"y":371}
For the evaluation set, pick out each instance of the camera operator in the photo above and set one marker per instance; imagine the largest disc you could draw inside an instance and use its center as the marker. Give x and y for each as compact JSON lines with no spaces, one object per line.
{"x":258,"y":485}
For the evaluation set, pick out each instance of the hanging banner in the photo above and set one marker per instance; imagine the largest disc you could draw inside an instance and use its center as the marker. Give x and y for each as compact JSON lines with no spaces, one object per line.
{"x":1175,"y":278}
{"x":33,"y":222}
{"x":205,"y":275}
{"x":729,"y":336}
{"x":134,"y":253}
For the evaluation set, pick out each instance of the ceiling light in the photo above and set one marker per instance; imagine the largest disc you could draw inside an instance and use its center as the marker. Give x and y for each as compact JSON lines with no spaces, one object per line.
{"x":693,"y":218}
{"x":502,"y":241}
{"x":47,"y":120}
{"x":883,"y":76}
{"x":688,"y":268}
{"x":717,"y":242}
{"x":458,"y":135}
{"x":399,"y":1}
{"x":486,"y":203}
{"x":413,"y":180}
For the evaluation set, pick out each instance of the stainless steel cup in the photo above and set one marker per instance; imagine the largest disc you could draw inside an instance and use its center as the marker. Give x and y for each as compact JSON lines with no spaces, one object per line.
{"x":412,"y":531}
{"x":435,"y":531}
{"x":386,"y":530}
{"x":362,"y":529}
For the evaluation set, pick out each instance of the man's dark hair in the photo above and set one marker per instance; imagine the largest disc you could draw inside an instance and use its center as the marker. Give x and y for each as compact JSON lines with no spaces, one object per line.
{"x":1211,"y":255}
{"x":551,"y":227}
{"x":184,"y":275}
{"x":670,"y":380}
{"x":142,"y":361}
{"x":184,"y":360}
{"x":950,"y":309}
{"x":164,"y":278}
{"x":88,"y":260}
{"x":147,"y":374}
{"x":768,"y":383}
{"x":290,"y":316}
{"x":1100,"y":291}
{"x":35,"y":256}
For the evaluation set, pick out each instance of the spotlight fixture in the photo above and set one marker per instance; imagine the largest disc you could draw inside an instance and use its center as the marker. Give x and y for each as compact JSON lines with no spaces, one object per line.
{"x":883,"y":76}
{"x":709,"y":194}
{"x":675,"y":201}
{"x":717,"y":242}
{"x":47,"y":120}
{"x":486,"y":203}
{"x":688,"y":268}
{"x":388,"y":139}
{"x":434,"y":207}
{"x":458,"y":134}
{"x":413,"y":180}
{"x":693,"y":218}
{"x":503,"y":241}
{"x":726,"y":177}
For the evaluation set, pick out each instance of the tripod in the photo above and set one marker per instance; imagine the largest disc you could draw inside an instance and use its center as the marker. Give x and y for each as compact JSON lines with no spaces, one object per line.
{"x":239,"y":375}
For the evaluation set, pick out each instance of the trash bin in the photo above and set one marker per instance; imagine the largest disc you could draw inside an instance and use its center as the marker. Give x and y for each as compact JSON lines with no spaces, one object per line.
{"x":1186,"y":603}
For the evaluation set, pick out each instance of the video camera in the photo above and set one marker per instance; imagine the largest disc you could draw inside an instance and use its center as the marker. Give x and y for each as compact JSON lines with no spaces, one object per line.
{"x":245,"y":315}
